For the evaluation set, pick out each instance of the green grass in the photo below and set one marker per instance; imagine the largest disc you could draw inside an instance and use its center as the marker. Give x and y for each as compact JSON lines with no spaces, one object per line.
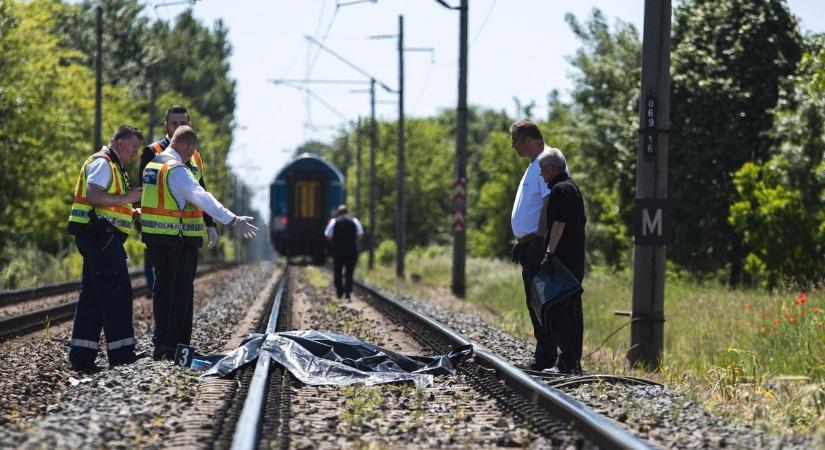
{"x":756,"y":356}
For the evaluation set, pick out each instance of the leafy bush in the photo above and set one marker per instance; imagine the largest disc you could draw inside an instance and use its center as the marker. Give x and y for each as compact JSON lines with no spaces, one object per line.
{"x":385,"y":252}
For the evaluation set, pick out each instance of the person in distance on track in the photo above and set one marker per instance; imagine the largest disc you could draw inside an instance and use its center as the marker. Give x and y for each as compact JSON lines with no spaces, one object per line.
{"x":344,"y":232}
{"x":100,"y":220}
{"x":565,"y":241}
{"x":172,"y":211}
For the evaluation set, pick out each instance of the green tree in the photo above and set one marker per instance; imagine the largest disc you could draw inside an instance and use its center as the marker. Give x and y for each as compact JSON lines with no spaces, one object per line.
{"x":728,"y":59}
{"x":605,"y":121}
{"x":48,"y":116}
{"x":781,"y":208}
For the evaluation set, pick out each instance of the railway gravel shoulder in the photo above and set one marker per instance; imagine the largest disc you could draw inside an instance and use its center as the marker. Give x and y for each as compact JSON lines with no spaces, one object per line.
{"x":663,"y":416}
{"x":139,"y":405}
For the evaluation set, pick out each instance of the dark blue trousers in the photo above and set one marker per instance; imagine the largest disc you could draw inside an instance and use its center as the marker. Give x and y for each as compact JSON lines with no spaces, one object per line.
{"x":173,"y":295}
{"x":343,"y":268}
{"x":105,"y":302}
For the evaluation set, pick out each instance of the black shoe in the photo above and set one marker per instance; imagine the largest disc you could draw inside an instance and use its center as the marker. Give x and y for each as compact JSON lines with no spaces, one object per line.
{"x":538,"y":366}
{"x":87,"y":368}
{"x":346,"y":295}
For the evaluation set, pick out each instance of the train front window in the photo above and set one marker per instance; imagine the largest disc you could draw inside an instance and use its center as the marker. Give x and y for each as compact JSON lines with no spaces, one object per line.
{"x":307,"y":199}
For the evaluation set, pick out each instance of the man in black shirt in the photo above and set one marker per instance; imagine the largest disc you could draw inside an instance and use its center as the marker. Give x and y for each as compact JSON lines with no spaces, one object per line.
{"x":344,"y":232}
{"x":565,"y":241}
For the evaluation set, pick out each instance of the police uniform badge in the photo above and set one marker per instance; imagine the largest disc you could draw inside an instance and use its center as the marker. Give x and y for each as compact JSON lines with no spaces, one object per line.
{"x":150,"y":176}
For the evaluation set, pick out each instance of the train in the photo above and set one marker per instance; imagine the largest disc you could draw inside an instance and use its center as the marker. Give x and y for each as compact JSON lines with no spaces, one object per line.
{"x":302,"y":199}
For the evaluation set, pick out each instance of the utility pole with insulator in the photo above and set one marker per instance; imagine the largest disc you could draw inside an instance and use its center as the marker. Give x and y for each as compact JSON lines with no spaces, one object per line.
{"x":647,"y":326}
{"x":460,"y":182}
{"x":98,"y":141}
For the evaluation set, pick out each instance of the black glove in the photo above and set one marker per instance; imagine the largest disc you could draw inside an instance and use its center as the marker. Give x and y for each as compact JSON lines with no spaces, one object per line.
{"x":547,"y":263}
{"x":515,"y":253}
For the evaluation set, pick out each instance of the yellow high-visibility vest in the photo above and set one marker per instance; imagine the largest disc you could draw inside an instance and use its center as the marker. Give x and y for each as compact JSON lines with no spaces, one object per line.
{"x":119,"y":216}
{"x":160,"y":214}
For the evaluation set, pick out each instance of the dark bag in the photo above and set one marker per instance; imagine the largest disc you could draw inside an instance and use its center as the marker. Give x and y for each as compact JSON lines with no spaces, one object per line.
{"x":552,"y":290}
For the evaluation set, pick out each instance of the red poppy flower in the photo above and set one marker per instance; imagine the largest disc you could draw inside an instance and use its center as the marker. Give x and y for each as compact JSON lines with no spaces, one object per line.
{"x":792,"y":320}
{"x":802,"y":298}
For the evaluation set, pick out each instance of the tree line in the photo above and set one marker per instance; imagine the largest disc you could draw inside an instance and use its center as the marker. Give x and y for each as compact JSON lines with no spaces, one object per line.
{"x":746,"y":170}
{"x":47,"y":88}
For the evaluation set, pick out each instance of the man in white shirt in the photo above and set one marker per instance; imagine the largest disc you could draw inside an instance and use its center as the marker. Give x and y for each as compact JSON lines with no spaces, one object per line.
{"x":527,"y":221}
{"x":172,"y":235}
{"x":344,"y":232}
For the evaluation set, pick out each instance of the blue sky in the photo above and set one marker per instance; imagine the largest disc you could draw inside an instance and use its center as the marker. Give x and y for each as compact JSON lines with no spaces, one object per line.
{"x":519,"y":48}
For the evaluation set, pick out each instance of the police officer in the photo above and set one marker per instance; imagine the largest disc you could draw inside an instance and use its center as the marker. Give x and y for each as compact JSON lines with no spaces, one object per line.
{"x":172,"y":222}
{"x":344,"y":232}
{"x":175,"y":116}
{"x":528,"y":223}
{"x":100,"y":220}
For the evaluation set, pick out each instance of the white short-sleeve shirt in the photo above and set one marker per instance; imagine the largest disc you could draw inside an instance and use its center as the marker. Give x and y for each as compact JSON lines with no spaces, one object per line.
{"x":529,"y":201}
{"x":99,"y":172}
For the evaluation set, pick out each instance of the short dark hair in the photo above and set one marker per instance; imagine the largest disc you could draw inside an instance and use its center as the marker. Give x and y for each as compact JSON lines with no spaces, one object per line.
{"x":127,"y":132}
{"x":525,"y":129}
{"x":176,"y":109}
{"x":342,"y":209}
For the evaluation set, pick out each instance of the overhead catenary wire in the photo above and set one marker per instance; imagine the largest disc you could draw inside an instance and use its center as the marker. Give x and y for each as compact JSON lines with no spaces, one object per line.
{"x":477,"y":33}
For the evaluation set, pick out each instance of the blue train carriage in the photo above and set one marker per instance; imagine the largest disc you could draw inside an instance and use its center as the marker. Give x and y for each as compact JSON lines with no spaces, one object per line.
{"x":301,"y":201}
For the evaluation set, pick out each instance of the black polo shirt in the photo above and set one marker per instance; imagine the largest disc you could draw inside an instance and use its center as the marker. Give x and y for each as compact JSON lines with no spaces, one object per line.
{"x":565,"y":205}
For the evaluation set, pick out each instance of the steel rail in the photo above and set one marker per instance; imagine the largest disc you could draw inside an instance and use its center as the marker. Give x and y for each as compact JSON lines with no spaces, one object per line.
{"x":42,"y":318}
{"x":248,"y":427}
{"x":13,"y":297}
{"x":16,"y":296}
{"x":596,"y":427}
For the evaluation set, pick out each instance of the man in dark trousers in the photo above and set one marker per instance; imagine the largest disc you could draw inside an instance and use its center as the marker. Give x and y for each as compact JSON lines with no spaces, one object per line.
{"x":527,"y":222}
{"x":344,"y":232}
{"x":175,"y":116}
{"x":172,"y":211}
{"x":565,"y":241}
{"x":101,"y":219}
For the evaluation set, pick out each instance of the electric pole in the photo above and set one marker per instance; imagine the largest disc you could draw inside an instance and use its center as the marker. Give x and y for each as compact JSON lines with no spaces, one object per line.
{"x":400,"y":215}
{"x":647,"y":327}
{"x":98,"y":80}
{"x":153,"y":95}
{"x":459,"y":196}
{"x":358,"y":169}
{"x":373,"y":143}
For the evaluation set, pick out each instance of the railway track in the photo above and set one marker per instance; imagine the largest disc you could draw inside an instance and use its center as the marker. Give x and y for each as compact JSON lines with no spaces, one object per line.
{"x":53,"y":314}
{"x":263,"y":420}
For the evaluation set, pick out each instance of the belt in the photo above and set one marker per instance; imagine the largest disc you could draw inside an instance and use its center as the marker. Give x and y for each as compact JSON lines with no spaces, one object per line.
{"x":529,"y":237}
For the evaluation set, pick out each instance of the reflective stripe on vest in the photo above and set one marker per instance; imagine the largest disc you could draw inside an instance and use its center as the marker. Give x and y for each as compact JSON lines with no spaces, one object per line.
{"x":159,"y":209}
{"x":119,"y":216}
